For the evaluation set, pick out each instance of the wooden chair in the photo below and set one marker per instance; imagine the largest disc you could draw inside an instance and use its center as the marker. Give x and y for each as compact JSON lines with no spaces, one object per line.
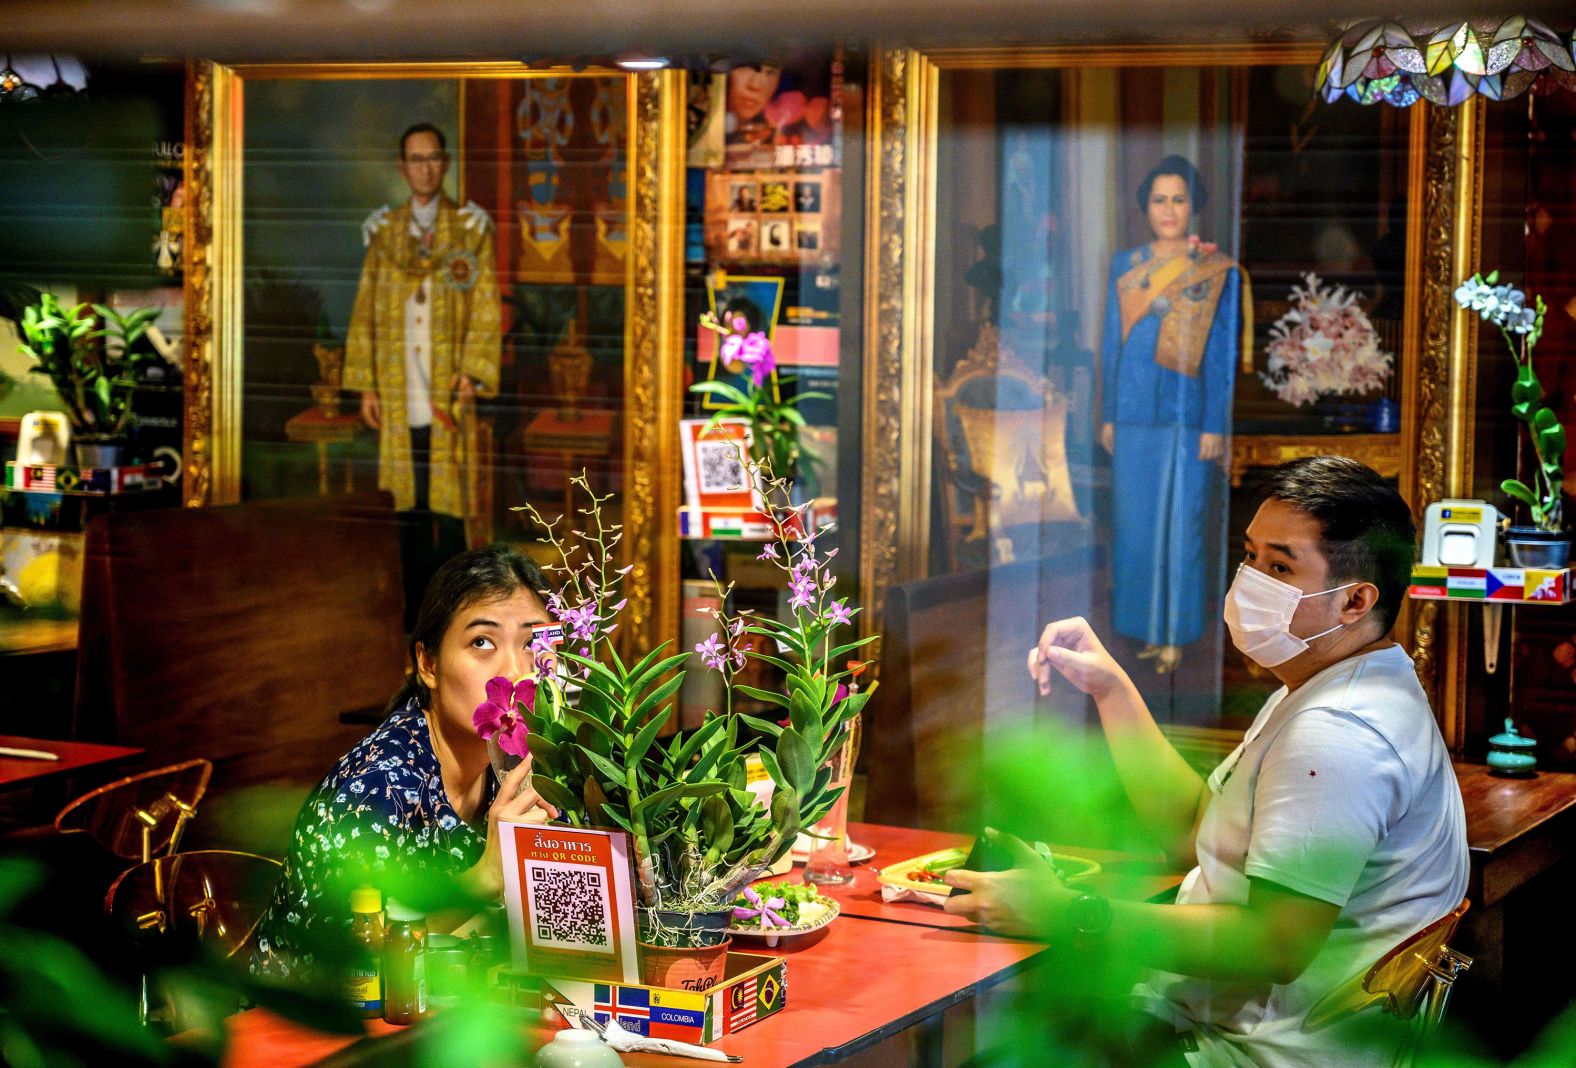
{"x":174,"y":909}
{"x":242,"y":634}
{"x":952,"y":663}
{"x":141,"y":816}
{"x":1412,"y":982}
{"x":213,"y":899}
{"x":1000,"y":429}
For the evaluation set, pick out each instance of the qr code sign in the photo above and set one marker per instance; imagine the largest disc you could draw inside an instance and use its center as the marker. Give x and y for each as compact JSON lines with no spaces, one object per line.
{"x":720,"y":468}
{"x":569,"y":907}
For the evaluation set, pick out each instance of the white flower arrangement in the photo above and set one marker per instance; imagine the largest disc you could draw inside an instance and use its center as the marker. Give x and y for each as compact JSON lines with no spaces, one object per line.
{"x":1324,"y":345}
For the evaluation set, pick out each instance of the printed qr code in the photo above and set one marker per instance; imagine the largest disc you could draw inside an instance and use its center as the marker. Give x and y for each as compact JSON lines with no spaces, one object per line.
{"x":720,"y":468}
{"x":569,"y":907}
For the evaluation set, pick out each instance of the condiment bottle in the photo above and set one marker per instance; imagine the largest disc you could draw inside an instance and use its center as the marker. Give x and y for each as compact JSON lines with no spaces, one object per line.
{"x":365,"y":981}
{"x":404,"y":965}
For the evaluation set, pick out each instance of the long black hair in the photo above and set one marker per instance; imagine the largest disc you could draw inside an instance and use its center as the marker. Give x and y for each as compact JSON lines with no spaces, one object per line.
{"x":489,"y":574}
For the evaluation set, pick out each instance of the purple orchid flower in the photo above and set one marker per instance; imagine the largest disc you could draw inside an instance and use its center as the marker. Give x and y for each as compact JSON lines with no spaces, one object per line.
{"x":838,"y":615}
{"x":755,"y":353}
{"x":712,"y":653}
{"x":766,"y":910}
{"x":769,"y":552}
{"x":582,"y":621}
{"x":499,"y":717}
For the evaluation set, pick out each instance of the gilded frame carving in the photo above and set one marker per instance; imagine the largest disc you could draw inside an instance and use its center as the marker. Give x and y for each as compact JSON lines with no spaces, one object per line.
{"x":654,"y":302}
{"x":1444,"y":206}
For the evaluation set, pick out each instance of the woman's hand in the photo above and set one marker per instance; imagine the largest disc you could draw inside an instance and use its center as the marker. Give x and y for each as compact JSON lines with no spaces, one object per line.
{"x":516,"y":802}
{"x":1211,"y":447}
{"x":1024,"y":900}
{"x":1071,"y":648}
{"x":1108,"y":438}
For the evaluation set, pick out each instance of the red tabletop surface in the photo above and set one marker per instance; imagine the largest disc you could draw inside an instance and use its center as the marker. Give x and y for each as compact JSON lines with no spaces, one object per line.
{"x":74,"y":757}
{"x":1122,"y":875}
{"x":849,"y":987}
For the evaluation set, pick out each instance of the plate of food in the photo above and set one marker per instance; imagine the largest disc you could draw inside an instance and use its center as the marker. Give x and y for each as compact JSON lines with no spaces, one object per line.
{"x":922,"y":878}
{"x":773,"y":911}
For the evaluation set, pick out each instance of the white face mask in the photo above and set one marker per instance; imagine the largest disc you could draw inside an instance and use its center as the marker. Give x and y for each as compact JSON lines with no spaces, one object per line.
{"x":1259,"y":608}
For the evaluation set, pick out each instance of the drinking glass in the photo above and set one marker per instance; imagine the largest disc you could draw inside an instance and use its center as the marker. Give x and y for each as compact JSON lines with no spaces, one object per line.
{"x":828,"y":859}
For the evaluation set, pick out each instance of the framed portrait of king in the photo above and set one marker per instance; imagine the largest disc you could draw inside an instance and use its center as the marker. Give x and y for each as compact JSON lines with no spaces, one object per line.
{"x":421,"y":279}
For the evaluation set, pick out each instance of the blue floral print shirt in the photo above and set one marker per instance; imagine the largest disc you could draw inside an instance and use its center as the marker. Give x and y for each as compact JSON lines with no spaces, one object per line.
{"x":382,"y":810}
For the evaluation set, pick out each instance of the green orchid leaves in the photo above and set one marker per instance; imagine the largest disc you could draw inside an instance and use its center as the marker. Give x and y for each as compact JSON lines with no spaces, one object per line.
{"x":93,"y":369}
{"x":1521,"y":328}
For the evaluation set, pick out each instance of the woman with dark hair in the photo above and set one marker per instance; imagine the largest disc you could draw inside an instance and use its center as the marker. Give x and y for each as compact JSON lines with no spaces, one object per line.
{"x":1168,"y":363}
{"x":417,"y":796}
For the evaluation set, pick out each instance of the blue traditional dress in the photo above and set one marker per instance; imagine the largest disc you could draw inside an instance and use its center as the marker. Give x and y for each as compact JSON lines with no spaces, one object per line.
{"x":382,"y":810}
{"x":1168,"y":366}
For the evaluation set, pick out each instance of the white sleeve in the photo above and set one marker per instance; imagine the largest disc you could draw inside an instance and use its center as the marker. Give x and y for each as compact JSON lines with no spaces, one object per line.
{"x":1328,"y":791}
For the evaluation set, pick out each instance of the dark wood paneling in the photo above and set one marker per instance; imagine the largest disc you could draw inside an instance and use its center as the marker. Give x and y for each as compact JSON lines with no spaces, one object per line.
{"x":241,"y":634}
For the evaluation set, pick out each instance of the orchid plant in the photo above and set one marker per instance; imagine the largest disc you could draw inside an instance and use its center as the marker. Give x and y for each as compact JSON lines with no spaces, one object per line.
{"x":97,"y":382}
{"x":592,"y":723}
{"x":774,"y":423}
{"x":1506,"y":307}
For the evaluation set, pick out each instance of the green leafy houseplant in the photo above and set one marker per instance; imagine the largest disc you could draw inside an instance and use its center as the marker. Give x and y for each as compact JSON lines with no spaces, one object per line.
{"x":1521,"y":326}
{"x":97,"y":381}
{"x":699,"y":835}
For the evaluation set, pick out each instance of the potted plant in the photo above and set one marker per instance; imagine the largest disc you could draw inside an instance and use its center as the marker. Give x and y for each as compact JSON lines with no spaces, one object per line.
{"x":1546,"y":543}
{"x":94,"y":370}
{"x":774,"y":423}
{"x":592,"y":723}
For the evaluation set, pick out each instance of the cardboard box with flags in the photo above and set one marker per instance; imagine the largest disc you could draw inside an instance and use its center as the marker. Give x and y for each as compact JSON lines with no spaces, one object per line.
{"x":753,"y":988}
{"x":1498,"y":585}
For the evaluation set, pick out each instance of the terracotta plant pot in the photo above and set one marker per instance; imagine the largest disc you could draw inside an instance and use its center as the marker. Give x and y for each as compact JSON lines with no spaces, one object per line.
{"x":684,"y":968}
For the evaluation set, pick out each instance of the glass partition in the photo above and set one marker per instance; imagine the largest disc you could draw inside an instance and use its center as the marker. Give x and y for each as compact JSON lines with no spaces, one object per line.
{"x":1153,"y":277}
{"x":434,"y":276}
{"x":768,"y":239}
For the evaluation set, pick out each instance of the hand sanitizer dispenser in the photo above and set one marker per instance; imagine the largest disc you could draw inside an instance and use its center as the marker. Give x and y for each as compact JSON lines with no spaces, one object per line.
{"x":45,"y":438}
{"x":1460,"y":534}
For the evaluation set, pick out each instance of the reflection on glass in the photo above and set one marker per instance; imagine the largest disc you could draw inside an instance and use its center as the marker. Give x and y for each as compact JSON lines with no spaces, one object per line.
{"x":1168,"y":357}
{"x":435,"y":274}
{"x":763,"y":256}
{"x":1117,"y":250}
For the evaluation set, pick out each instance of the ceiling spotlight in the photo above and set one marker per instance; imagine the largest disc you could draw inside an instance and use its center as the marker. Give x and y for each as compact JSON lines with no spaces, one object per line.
{"x":642,"y":62}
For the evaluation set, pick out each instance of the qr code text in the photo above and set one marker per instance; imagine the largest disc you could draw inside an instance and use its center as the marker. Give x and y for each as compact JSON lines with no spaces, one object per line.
{"x":569,"y":907}
{"x":721,"y":470}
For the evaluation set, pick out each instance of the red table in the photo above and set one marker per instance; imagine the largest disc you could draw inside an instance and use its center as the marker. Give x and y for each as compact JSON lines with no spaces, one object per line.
{"x":1121,"y":875}
{"x":75,"y":757}
{"x":851,"y":986}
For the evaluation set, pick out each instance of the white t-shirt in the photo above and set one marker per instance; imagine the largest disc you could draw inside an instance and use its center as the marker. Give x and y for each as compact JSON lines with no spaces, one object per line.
{"x":1343,"y":792}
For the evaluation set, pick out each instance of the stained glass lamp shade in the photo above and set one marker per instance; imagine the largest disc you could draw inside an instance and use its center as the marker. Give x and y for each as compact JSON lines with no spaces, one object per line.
{"x":28,"y":77}
{"x":1400,"y":64}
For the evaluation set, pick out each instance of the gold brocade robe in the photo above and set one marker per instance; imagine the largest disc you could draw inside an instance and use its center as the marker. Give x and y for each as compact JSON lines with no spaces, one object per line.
{"x":466,"y":340}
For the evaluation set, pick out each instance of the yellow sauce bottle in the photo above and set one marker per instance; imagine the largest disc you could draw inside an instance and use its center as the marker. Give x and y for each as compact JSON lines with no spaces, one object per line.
{"x":365,"y":979}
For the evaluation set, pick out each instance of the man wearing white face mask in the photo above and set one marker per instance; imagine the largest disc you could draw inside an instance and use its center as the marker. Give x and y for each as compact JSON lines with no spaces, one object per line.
{"x":1335,"y":829}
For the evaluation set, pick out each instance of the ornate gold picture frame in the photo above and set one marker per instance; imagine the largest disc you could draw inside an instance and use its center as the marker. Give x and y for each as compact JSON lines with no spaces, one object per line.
{"x":1438,"y":354}
{"x":214,"y":359}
